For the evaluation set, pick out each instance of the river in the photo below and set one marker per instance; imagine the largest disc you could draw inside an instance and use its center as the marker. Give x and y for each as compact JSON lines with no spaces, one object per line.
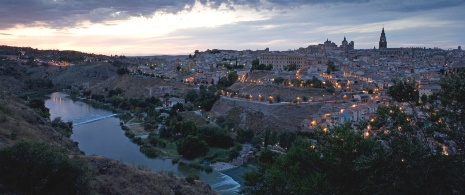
{"x":98,"y":132}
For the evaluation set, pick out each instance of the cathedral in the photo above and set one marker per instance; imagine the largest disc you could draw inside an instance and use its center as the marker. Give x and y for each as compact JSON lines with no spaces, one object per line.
{"x":382,"y":40}
{"x":411,"y":52}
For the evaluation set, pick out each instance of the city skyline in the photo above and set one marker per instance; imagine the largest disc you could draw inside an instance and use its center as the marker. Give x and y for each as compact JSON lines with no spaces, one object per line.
{"x":156,"y":27}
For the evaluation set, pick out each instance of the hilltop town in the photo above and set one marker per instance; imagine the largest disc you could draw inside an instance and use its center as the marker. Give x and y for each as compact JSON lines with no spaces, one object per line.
{"x":254,"y":98}
{"x":346,"y":83}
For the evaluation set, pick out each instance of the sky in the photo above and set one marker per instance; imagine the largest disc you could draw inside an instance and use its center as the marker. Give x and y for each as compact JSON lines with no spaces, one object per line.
{"x":156,"y":27}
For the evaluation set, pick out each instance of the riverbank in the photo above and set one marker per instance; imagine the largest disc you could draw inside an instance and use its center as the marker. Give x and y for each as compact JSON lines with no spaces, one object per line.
{"x":160,"y":150}
{"x":222,"y":166}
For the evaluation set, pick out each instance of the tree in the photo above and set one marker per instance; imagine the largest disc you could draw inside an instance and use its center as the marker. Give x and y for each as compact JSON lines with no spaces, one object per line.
{"x":255,"y":64}
{"x":269,"y":67}
{"x":39,"y":83}
{"x":39,"y":106}
{"x":191,"y":147}
{"x":188,"y":127}
{"x":178,"y":107}
{"x":291,"y":67}
{"x":122,"y":71}
{"x":344,"y":161}
{"x":64,"y":128}
{"x":232,"y":78}
{"x":115,"y":92}
{"x":36,"y":168}
{"x":404,"y":91}
{"x":215,"y":136}
{"x":330,"y":67}
{"x":278,"y":80}
{"x":244,"y":135}
{"x":450,"y":114}
{"x":191,"y":96}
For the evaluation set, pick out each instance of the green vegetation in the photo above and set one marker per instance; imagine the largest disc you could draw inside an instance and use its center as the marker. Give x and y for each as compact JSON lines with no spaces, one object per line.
{"x":64,"y":128}
{"x":343,"y":161}
{"x":204,"y":98}
{"x":227,"y":81}
{"x":33,"y":168}
{"x":192,"y":147}
{"x":404,"y":91}
{"x":290,"y":67}
{"x":331,"y":67}
{"x":192,"y":141}
{"x":39,"y":83}
{"x":230,"y":66}
{"x":122,"y":71}
{"x":257,"y":66}
{"x":393,"y":153}
{"x":150,"y":152}
{"x":39,"y":106}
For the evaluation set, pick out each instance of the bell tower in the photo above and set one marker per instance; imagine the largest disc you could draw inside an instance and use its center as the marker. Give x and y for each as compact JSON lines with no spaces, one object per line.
{"x":382,"y":40}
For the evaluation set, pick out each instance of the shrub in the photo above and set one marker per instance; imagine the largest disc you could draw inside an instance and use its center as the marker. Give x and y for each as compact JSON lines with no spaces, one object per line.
{"x":34,"y":168}
{"x":39,"y":106}
{"x":64,"y":128}
{"x":150,"y":152}
{"x":192,"y":178}
{"x":215,"y":136}
{"x":192,"y":147}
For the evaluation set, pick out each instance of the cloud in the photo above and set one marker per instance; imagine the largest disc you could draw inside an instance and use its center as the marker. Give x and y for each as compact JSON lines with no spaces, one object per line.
{"x":416,"y":5}
{"x":70,"y":13}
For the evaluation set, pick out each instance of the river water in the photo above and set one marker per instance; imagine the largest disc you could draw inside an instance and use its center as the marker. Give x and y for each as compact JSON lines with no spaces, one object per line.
{"x":98,"y":132}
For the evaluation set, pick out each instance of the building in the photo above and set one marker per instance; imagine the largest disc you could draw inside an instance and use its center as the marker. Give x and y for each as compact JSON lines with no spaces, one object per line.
{"x":382,"y":40}
{"x":346,"y":45}
{"x":280,"y":60}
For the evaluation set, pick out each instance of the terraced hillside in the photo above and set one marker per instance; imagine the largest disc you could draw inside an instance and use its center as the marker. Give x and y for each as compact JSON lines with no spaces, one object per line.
{"x":286,"y":93}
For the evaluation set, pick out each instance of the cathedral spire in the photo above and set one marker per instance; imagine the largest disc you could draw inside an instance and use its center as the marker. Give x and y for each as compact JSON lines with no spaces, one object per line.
{"x":382,"y":40}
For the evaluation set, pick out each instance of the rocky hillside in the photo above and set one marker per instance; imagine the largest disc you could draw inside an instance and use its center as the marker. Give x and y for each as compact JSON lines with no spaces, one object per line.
{"x":18,"y":123}
{"x":261,"y":115}
{"x":115,"y":177}
{"x":12,"y":77}
{"x":78,"y":75}
{"x":135,"y":86}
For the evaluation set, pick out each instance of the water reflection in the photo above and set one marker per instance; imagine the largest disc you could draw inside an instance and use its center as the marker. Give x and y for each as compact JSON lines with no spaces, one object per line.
{"x":97,"y":132}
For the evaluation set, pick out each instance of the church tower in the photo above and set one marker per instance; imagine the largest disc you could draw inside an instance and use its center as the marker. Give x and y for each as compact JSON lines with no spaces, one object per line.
{"x":344,"y":43}
{"x":382,"y":40}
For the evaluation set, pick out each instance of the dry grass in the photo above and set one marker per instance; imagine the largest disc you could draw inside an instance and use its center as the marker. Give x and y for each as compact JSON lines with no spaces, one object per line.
{"x":114,"y":177}
{"x":20,"y":123}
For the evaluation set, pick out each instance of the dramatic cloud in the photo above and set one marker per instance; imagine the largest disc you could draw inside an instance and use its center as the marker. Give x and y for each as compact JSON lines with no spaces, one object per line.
{"x":142,"y":27}
{"x":69,"y":13}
